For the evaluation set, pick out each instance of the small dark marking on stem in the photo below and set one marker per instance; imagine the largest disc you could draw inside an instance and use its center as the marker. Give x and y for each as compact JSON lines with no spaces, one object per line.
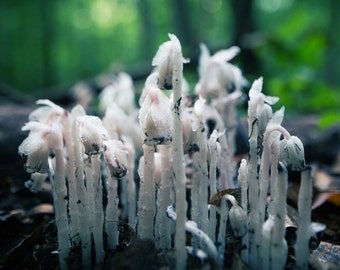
{"x":252,"y":126}
{"x":177,"y":105}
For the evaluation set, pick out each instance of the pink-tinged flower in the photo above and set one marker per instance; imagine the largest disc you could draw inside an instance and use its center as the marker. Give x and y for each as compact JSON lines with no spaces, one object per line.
{"x":116,"y":158}
{"x":49,"y":113}
{"x":37,"y":146}
{"x":163,"y":60}
{"x":155,"y":117}
{"x":92,"y":134}
{"x":217,"y":76}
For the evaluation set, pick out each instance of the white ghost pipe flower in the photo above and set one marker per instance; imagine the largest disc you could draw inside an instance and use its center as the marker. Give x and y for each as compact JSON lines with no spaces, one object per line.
{"x":120,"y":125}
{"x":165,"y":60}
{"x":292,"y":153}
{"x":50,"y":113}
{"x":256,"y":119}
{"x":35,"y":148}
{"x":237,"y":217}
{"x":155,"y":118}
{"x":92,"y":134}
{"x":217,"y":76}
{"x":121,"y":92}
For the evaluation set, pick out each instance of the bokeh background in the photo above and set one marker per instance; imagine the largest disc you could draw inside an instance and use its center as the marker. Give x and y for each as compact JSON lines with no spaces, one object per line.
{"x":46,"y":46}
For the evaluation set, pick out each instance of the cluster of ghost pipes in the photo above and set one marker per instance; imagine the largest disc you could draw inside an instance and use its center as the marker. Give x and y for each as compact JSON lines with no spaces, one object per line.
{"x":90,"y":154}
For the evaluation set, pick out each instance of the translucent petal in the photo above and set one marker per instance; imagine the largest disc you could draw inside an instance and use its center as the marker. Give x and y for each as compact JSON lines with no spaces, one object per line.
{"x":256,"y":88}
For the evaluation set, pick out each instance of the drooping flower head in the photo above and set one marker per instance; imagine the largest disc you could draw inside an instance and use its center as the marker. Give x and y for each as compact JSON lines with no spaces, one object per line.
{"x":38,"y":145}
{"x":49,"y":113}
{"x":163,"y":61}
{"x":92,"y":134}
{"x":155,"y":117}
{"x":116,"y":158}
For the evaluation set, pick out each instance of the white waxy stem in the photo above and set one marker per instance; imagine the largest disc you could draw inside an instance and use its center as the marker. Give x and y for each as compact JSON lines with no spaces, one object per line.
{"x":214,"y":155}
{"x":305,"y":209}
{"x":147,"y":191}
{"x":223,"y":211}
{"x":67,"y":123}
{"x":243,"y":184}
{"x":265,"y":245}
{"x":78,"y":149}
{"x":207,"y":244}
{"x":164,"y":196}
{"x":92,"y":134}
{"x":178,"y":155}
{"x":98,"y":210}
{"x":253,"y":181}
{"x":279,"y":249}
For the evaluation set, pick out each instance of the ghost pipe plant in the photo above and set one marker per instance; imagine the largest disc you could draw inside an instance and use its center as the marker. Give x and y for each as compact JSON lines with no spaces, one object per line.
{"x":117,"y":162}
{"x":221,"y":83}
{"x":84,"y":157}
{"x":37,"y":146}
{"x":156,"y":121}
{"x":169,"y":65}
{"x":257,"y":119}
{"x":93,"y":134}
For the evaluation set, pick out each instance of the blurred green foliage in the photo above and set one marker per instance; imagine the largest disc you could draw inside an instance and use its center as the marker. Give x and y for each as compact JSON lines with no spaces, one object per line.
{"x":56,"y":43}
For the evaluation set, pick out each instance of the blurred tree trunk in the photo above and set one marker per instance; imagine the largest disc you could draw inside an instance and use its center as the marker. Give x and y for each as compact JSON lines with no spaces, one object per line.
{"x":147,"y":30}
{"x":332,"y":61}
{"x":244,"y":26}
{"x":47,"y":39}
{"x":182,"y":23}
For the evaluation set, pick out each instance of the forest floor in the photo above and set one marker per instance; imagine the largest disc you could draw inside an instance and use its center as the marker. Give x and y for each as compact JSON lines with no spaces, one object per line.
{"x":28,"y":234}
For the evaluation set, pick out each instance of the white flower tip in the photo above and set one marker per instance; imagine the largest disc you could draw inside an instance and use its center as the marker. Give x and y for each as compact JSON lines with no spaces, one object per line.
{"x":238,"y":220}
{"x":256,"y":87}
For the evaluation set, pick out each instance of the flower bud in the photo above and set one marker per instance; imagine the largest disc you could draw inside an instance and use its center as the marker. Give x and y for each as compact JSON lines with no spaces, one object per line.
{"x":116,"y":158}
{"x":238,"y":220}
{"x":92,"y":134}
{"x":292,"y":153}
{"x":155,"y":118}
{"x":164,"y":59}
